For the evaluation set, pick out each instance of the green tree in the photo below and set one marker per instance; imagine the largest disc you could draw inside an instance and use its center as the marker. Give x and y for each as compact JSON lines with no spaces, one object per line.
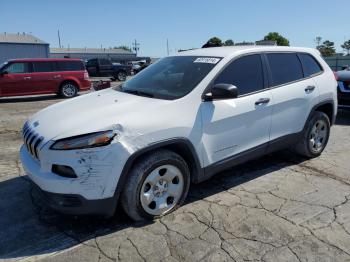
{"x":229,"y":42}
{"x":124,"y":47}
{"x":212,"y":42}
{"x":327,"y":48}
{"x":274,"y":36}
{"x":346,"y":47}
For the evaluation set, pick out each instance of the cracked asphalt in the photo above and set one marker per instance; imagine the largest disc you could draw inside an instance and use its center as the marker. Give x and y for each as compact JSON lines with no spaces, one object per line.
{"x":277,"y":208}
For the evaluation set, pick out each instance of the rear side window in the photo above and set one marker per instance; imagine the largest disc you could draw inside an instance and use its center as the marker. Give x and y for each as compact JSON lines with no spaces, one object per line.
{"x":17,"y":68}
{"x":70,"y":66}
{"x":246,"y":73}
{"x":44,"y":66}
{"x":104,"y":62}
{"x":285,"y":68}
{"x":310,"y":65}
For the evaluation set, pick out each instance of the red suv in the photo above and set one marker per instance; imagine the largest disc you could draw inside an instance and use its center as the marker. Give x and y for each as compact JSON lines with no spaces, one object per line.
{"x":43,"y":76}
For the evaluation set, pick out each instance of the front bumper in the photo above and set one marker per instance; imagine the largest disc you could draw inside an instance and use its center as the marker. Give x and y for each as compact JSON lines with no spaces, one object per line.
{"x":343,"y":94}
{"x":76,"y":204}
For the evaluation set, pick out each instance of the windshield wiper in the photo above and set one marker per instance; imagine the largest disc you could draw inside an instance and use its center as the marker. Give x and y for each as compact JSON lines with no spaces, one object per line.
{"x":136,"y":92}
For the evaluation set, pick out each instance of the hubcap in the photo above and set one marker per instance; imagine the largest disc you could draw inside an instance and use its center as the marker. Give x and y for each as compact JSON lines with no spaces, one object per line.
{"x":68,"y":90}
{"x":318,"y":136}
{"x":161,"y":190}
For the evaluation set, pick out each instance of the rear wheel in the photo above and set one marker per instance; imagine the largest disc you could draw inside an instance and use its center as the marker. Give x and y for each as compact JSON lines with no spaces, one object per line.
{"x":121,"y":76}
{"x":157,"y":185}
{"x":315,"y":136}
{"x":68,"y":90}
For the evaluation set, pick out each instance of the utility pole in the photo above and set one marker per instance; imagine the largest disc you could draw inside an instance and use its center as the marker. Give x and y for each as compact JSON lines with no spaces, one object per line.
{"x":167,"y":46}
{"x":136,"y":46}
{"x":59,"y":38}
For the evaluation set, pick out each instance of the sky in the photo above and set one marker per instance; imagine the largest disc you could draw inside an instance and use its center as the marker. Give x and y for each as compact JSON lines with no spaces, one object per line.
{"x":185,"y":23}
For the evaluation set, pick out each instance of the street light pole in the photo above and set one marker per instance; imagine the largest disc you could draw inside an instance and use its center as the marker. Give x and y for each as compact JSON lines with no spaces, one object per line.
{"x":136,"y":46}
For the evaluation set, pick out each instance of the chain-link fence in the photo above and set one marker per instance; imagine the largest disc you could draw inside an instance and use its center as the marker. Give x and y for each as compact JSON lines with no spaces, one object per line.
{"x":338,"y":62}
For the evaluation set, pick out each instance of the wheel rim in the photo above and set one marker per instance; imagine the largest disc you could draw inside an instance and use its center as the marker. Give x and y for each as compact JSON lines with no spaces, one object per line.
{"x":121,"y":76}
{"x":161,"y":190}
{"x":318,"y":136}
{"x":68,"y":90}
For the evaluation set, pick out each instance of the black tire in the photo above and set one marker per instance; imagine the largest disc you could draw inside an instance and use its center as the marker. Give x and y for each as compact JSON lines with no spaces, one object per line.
{"x":131,"y":195}
{"x":68,"y":89}
{"x":305,"y":147}
{"x":121,"y":75}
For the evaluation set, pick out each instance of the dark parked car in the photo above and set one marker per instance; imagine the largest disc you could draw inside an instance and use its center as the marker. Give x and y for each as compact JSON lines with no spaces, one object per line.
{"x":343,"y":78}
{"x":103,"y":67}
{"x":43,"y":76}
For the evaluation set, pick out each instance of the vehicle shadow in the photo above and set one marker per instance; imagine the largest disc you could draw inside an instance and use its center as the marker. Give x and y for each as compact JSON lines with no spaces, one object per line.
{"x":30,"y":99}
{"x":36,"y":98}
{"x":30,"y":229}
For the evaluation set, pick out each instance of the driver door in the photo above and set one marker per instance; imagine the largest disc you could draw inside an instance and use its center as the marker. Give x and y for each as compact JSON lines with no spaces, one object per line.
{"x":238,"y":128}
{"x":17,"y":80}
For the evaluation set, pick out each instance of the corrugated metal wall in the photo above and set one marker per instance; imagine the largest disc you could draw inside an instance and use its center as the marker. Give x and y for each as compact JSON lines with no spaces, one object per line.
{"x":86,"y":56}
{"x":12,"y":51}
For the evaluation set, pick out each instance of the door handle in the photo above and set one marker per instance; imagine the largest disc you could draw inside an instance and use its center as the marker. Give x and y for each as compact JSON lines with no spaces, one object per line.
{"x":309,"y":89}
{"x":57,"y":76}
{"x":262,"y":101}
{"x":27,"y":78}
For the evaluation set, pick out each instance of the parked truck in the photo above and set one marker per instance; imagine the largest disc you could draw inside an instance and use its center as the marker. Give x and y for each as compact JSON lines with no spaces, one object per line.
{"x":101,"y":67}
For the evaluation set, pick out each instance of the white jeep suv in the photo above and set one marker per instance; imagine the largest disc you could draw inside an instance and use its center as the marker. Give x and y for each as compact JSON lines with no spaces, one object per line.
{"x":181,"y":120}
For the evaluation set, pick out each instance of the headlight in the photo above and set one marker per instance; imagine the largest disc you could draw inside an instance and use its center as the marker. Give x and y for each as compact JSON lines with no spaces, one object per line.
{"x":84,"y":141}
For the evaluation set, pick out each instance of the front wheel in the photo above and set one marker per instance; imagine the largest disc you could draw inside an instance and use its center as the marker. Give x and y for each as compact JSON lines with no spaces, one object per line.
{"x":315,"y":136}
{"x":156,"y":186}
{"x":68,"y":90}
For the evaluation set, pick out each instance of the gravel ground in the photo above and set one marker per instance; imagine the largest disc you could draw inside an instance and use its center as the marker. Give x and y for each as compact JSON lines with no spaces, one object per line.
{"x":277,"y":208}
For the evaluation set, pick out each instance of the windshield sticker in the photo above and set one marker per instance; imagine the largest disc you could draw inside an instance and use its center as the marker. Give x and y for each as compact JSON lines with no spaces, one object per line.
{"x":208,"y":60}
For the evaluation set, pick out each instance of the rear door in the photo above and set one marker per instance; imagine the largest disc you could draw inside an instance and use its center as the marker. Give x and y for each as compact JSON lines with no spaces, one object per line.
{"x":45,"y":78}
{"x":91,"y":67}
{"x":17,"y":80}
{"x":294,"y":94}
{"x":105,"y":67}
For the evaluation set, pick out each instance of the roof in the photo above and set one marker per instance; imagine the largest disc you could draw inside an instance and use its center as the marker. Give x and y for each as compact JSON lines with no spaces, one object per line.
{"x":44,"y":59}
{"x":20,"y":39}
{"x":230,"y":50}
{"x":89,"y":51}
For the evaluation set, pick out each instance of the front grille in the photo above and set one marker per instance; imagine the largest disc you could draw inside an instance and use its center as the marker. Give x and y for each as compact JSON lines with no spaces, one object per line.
{"x":31,"y":140}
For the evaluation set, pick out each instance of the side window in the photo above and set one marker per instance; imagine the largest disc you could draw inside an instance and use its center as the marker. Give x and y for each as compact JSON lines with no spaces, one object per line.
{"x":285,"y":68}
{"x":70,"y":66}
{"x":43,"y":66}
{"x":310,"y":65}
{"x":246,"y":73}
{"x":92,"y":62}
{"x":17,"y":68}
{"x":104,"y":62}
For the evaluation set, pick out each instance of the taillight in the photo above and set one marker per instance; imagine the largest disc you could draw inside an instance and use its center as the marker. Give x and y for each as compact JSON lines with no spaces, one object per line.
{"x":335,"y":75}
{"x":86,"y":75}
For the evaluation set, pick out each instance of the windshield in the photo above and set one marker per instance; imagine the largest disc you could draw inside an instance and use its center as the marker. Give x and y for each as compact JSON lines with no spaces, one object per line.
{"x":170,"y":77}
{"x":3,"y":65}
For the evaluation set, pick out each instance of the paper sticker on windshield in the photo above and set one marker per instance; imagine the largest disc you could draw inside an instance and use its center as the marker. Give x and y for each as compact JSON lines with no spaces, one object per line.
{"x":207,"y":60}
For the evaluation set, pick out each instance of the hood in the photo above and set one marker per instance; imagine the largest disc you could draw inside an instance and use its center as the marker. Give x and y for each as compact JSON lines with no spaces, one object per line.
{"x":90,"y":113}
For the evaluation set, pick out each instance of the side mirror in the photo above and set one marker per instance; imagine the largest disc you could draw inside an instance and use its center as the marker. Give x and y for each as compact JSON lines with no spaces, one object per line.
{"x":3,"y":73}
{"x":222,"y":91}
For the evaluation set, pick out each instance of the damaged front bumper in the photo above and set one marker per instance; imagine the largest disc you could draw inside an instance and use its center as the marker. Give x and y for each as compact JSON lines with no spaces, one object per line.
{"x":92,"y":192}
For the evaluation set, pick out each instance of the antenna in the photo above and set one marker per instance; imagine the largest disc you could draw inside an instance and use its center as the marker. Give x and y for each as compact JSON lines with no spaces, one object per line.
{"x":167,"y":46}
{"x":59,"y":38}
